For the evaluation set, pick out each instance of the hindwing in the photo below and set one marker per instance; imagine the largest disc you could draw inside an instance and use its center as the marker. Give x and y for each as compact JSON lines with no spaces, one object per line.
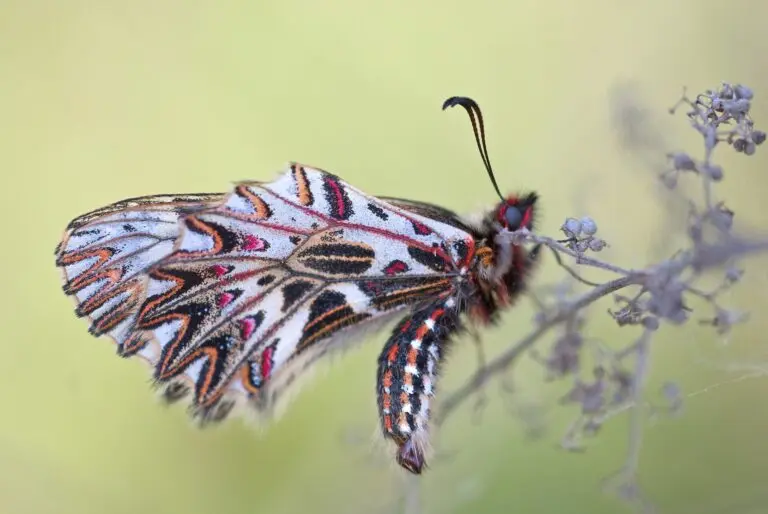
{"x":104,"y":255}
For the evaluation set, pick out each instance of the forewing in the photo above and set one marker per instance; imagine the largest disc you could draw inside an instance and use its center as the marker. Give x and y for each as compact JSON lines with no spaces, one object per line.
{"x":428,"y":210}
{"x":265,"y":283}
{"x":104,"y":256}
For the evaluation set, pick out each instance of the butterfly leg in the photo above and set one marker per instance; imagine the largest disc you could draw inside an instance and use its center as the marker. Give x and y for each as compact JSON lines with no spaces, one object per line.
{"x":407,"y":372}
{"x":481,"y":361}
{"x":478,"y":342}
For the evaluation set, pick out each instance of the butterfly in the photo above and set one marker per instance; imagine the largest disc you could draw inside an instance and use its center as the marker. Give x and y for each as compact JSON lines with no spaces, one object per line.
{"x":232,"y":297}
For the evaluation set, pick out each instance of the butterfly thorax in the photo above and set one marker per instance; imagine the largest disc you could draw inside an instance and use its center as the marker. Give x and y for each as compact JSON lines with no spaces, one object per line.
{"x":500,"y":267}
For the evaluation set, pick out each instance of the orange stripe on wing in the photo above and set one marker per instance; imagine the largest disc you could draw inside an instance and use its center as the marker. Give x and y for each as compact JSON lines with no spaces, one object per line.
{"x":103,"y":297}
{"x":259,"y":205}
{"x":166,"y":370}
{"x":330,"y":328}
{"x":302,"y":184}
{"x":245,"y":379}
{"x":112,"y":276}
{"x":213,"y":355}
{"x":162,"y":276}
{"x":114,"y":318}
{"x":325,"y":315}
{"x":102,"y":254}
{"x":200,"y":226}
{"x":403,"y":295}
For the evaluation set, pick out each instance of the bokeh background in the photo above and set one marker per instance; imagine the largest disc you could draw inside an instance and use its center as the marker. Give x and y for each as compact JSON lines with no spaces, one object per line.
{"x":105,"y":100}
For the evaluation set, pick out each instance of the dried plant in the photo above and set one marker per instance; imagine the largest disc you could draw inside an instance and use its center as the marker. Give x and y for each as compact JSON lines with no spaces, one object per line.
{"x":644,"y":300}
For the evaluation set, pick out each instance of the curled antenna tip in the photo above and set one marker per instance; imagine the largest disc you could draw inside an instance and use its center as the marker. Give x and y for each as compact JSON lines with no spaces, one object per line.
{"x":464,"y":101}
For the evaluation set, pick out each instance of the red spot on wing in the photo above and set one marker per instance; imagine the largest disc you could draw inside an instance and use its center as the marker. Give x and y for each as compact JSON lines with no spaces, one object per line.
{"x":253,"y":243}
{"x":219,"y":270}
{"x":334,"y":186}
{"x":395,"y":267}
{"x":420,"y":228}
{"x":247,"y":326}
{"x":224,"y":299}
{"x":469,"y":254}
{"x":266,"y":362}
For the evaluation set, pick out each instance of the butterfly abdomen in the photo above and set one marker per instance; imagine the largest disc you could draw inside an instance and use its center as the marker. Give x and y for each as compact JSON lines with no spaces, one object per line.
{"x":407,"y":375}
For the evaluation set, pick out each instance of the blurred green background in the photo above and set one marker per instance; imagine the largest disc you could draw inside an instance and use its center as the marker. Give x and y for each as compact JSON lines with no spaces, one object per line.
{"x":105,"y":100}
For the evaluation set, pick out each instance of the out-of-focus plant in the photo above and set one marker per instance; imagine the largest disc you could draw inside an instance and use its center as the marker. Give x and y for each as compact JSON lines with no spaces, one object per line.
{"x":644,"y":300}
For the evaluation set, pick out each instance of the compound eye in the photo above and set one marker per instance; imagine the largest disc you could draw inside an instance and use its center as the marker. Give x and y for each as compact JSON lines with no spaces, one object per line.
{"x":513,"y":217}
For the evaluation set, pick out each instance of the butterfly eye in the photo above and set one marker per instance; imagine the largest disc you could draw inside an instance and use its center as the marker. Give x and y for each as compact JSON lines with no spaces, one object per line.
{"x":513,"y":217}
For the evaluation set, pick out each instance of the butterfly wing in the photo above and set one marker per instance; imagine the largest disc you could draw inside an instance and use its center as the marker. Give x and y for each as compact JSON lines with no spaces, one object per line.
{"x":104,"y":256}
{"x":236,"y":296}
{"x":428,"y":210}
{"x":277,"y":275}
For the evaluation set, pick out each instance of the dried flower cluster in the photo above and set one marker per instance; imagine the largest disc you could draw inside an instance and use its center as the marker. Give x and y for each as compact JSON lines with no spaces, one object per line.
{"x":645,"y":299}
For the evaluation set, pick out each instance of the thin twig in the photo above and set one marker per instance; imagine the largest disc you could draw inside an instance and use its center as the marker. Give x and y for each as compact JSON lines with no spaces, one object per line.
{"x":500,"y":363}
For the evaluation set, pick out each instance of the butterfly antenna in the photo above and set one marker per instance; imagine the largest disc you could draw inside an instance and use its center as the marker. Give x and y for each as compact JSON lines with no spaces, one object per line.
{"x":476,"y":117}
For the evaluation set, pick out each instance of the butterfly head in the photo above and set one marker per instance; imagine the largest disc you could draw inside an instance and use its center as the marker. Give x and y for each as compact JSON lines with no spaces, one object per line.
{"x":502,"y":264}
{"x":517,"y":211}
